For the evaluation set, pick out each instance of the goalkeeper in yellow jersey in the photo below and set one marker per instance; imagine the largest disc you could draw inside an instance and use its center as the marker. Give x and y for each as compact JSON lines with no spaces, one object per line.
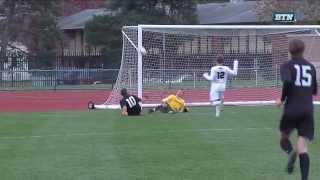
{"x":172,"y":104}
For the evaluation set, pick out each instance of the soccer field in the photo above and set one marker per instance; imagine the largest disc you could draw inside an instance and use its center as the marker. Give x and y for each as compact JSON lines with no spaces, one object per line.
{"x":240,"y":145}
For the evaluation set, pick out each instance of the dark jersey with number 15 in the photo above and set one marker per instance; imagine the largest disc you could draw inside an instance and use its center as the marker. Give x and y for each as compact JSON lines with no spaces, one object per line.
{"x":299,"y":86}
{"x":132,"y":104}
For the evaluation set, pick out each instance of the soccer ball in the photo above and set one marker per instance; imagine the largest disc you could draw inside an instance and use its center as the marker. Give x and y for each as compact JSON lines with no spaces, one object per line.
{"x":143,"y":51}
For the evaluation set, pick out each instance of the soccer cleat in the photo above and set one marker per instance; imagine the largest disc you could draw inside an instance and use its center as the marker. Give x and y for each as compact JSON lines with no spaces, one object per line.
{"x":152,"y":110}
{"x":291,"y":161}
{"x":91,"y":105}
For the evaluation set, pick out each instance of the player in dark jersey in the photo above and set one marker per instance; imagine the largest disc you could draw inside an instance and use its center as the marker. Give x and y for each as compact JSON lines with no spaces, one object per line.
{"x":130,"y":104}
{"x":299,"y":86}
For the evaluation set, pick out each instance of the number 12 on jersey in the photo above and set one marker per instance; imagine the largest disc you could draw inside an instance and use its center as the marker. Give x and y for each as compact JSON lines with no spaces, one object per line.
{"x":220,"y":75}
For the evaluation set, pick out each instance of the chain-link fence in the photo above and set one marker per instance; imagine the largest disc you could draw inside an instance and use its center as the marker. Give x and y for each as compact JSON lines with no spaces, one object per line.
{"x":152,"y":78}
{"x":193,"y":78}
{"x":58,"y":79}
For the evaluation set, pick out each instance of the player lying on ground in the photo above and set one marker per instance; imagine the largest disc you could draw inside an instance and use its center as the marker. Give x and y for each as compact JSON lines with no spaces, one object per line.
{"x":172,"y":104}
{"x":130,"y":104}
{"x":299,"y":85}
{"x":218,"y":76}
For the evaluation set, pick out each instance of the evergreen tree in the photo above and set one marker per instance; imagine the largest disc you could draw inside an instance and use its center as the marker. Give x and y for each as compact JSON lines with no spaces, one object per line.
{"x":32,"y":22}
{"x":105,"y":31}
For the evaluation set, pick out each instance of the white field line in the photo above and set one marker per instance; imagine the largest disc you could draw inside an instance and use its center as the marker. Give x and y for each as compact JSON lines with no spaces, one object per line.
{"x":134,"y":132}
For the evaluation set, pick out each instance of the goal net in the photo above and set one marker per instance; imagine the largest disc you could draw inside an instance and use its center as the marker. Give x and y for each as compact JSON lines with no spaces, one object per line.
{"x":159,"y":59}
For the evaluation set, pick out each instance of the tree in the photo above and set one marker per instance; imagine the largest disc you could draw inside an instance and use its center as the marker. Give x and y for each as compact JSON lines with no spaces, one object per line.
{"x":212,"y":1}
{"x":217,"y":1}
{"x":43,"y":32}
{"x":173,"y":11}
{"x":31,"y":22}
{"x":308,"y":9}
{"x":105,"y":31}
{"x":7,"y":29}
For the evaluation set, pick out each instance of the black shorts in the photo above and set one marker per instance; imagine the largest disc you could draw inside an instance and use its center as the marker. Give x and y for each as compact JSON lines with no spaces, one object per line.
{"x":135,"y":112}
{"x":303,"y":123}
{"x":165,"y":108}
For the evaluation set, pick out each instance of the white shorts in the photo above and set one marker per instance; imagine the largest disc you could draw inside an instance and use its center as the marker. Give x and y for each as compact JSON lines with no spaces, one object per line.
{"x":217,"y":92}
{"x":216,"y":95}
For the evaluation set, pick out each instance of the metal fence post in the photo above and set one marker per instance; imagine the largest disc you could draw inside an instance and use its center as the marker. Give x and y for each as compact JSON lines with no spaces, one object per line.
{"x":276,"y":85}
{"x":55,"y":80}
{"x":256,"y":71}
{"x":194,"y":79}
{"x":130,"y":78}
{"x":11,"y":71}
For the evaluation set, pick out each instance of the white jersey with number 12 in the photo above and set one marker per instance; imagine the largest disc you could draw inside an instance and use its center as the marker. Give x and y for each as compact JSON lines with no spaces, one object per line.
{"x":219,"y":75}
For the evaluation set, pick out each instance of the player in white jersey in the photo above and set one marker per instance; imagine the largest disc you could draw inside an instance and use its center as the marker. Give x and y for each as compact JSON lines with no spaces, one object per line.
{"x":218,"y":76}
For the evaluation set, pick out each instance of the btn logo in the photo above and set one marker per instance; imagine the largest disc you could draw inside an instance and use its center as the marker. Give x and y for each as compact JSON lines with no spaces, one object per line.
{"x":284,"y":17}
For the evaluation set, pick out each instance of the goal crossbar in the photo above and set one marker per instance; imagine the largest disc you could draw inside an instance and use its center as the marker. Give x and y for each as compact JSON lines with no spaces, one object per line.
{"x":145,"y":26}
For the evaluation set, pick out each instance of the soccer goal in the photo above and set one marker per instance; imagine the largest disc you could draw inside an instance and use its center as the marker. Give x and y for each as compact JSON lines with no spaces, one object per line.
{"x":159,"y":59}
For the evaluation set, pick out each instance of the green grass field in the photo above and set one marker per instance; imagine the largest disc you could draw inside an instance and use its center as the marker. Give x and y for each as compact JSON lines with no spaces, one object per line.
{"x":241,"y":145}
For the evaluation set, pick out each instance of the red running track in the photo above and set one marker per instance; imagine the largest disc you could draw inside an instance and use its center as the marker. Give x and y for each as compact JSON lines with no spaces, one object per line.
{"x":43,"y":101}
{"x":202,"y":95}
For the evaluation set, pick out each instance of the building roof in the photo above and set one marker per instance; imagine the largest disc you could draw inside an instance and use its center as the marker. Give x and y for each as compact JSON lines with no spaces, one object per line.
{"x":210,"y":13}
{"x":227,"y":13}
{"x":241,"y":12}
{"x":78,"y":20}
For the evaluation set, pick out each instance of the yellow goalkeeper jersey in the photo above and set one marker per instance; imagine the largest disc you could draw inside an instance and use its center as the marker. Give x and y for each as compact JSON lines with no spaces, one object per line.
{"x":175,"y":103}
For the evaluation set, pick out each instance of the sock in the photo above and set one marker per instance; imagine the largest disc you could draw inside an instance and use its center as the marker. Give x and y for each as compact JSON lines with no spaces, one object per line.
{"x":304,"y":165}
{"x":217,"y":110}
{"x":286,"y":145}
{"x":157,"y":108}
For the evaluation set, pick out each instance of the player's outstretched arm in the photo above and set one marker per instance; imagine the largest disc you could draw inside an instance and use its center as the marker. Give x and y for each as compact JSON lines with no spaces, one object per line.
{"x":124,"y":111}
{"x":235,"y":67}
{"x":284,"y":94}
{"x":139,"y":102}
{"x":209,"y":77}
{"x":279,"y":103}
{"x":286,"y":79}
{"x":315,"y":84}
{"x":234,"y":72}
{"x":165,"y":100}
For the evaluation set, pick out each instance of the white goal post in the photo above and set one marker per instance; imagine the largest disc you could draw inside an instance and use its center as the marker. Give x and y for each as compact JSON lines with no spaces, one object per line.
{"x":159,"y":59}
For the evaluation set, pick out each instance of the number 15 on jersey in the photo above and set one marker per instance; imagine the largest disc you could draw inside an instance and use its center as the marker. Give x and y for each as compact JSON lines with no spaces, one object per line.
{"x":303,"y":75}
